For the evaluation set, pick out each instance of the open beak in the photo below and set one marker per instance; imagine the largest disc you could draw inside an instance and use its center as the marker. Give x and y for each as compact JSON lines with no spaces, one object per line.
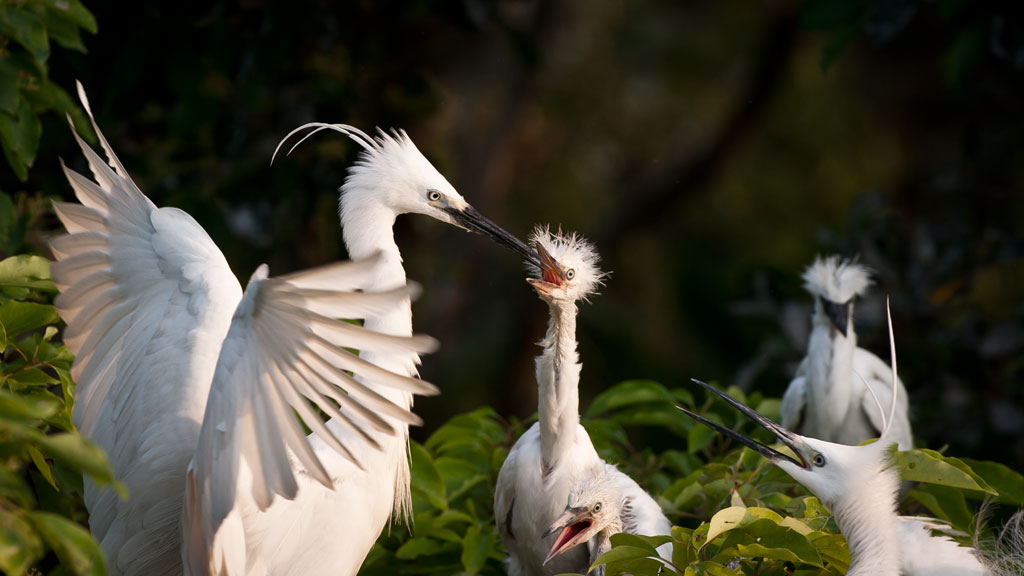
{"x":574,"y":526}
{"x":551,"y":275}
{"x":474,"y":221}
{"x":838,"y":314}
{"x":785,"y":436}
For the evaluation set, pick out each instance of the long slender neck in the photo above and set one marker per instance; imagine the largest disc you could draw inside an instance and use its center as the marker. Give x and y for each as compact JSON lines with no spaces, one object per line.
{"x":558,"y":378}
{"x":831,"y":380}
{"x":367,"y":229}
{"x":867,"y":518}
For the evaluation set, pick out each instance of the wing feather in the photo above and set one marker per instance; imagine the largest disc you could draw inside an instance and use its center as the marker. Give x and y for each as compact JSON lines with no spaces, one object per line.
{"x":148,"y":299}
{"x":282,"y":358}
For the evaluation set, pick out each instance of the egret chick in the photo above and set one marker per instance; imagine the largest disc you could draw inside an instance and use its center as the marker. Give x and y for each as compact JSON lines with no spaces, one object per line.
{"x":602,"y":503}
{"x":860,"y":486}
{"x":828,"y":399}
{"x":555,"y":457}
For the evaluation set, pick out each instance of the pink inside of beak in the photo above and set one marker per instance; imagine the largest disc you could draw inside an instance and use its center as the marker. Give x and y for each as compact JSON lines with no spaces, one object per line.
{"x":551,"y":277}
{"x":568,"y":533}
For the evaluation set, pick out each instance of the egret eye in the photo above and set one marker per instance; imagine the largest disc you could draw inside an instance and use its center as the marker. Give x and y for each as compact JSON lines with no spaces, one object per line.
{"x":433,"y":195}
{"x":818,"y":460}
{"x":570,"y":274}
{"x":597,"y":507}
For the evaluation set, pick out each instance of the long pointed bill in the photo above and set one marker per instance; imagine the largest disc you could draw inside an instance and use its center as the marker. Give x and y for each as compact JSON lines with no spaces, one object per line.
{"x":784,"y":436}
{"x":551,"y":274}
{"x":574,"y":526}
{"x":837,"y":314}
{"x":474,"y":221}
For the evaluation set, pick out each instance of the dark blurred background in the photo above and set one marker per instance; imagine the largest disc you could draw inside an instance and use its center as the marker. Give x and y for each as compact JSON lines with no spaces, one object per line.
{"x":710,"y":149}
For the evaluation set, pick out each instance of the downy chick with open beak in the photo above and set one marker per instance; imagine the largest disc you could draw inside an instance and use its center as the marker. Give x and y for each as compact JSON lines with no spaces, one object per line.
{"x":859,"y":485}
{"x":603,"y":503}
{"x":828,"y":399}
{"x":554,"y":462}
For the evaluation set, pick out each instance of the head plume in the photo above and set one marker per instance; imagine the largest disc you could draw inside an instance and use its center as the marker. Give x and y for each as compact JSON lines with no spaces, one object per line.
{"x":836,"y":279}
{"x":577,"y":258}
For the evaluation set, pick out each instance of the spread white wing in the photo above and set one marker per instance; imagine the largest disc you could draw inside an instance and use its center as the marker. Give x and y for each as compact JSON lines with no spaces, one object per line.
{"x":148,"y":299}
{"x":287,"y":352}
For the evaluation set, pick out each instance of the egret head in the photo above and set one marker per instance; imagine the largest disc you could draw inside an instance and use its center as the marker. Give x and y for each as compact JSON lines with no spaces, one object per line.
{"x":828,"y":470}
{"x":595,"y":505}
{"x":568,"y":270}
{"x":392,"y":177}
{"x":834,"y":283}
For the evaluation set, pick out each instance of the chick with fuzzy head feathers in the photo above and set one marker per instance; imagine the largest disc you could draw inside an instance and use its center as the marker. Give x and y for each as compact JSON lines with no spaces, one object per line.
{"x":831,"y":397}
{"x":568,"y":270}
{"x":860,"y":485}
{"x":601,"y":503}
{"x":555,"y":457}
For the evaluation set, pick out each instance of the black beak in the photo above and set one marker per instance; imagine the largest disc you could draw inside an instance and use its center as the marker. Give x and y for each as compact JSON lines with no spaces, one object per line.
{"x":784,"y":436}
{"x":474,"y":221}
{"x":838,"y":314}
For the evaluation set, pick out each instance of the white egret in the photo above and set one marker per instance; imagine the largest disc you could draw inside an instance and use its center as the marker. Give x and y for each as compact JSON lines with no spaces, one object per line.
{"x":859,"y":485}
{"x":554,"y":462}
{"x":342,"y":521}
{"x":602,"y":503}
{"x":149,"y":301}
{"x":173,"y":362}
{"x":828,"y":399}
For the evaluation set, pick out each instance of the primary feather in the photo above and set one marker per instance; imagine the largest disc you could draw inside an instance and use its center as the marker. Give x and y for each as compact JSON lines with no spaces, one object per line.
{"x":173,"y":364}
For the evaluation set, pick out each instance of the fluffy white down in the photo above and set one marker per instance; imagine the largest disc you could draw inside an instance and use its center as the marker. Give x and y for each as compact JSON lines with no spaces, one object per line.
{"x":836,"y":279}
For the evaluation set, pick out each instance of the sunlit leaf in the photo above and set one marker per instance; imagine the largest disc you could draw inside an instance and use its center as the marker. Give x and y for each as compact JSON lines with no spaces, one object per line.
{"x":73,"y":544}
{"x":426,"y":479}
{"x":20,"y":546}
{"x":934,"y":468}
{"x":24,"y":271}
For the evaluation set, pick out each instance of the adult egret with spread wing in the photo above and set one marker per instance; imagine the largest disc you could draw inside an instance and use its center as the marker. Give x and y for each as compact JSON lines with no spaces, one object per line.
{"x":174,"y":363}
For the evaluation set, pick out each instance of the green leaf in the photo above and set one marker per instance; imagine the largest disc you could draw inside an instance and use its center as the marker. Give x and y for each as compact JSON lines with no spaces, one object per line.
{"x":963,"y":54}
{"x":18,"y":317}
{"x":80,"y":454}
{"x":701,"y":436}
{"x":416,"y":547}
{"x":475,"y":546}
{"x":75,"y":12}
{"x":945,"y":503}
{"x":628,"y":393}
{"x":21,"y":408}
{"x":623,"y":554}
{"x":829,"y":14}
{"x":40,"y":461}
{"x":32,"y":272}
{"x":931,"y":467}
{"x":21,"y":22}
{"x":20,"y":546}
{"x":8,"y":85}
{"x":426,"y":479}
{"x":73,"y":544}
{"x":725,"y":520}
{"x":19,"y":135}
{"x":766,"y":539}
{"x":1007,"y":482}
